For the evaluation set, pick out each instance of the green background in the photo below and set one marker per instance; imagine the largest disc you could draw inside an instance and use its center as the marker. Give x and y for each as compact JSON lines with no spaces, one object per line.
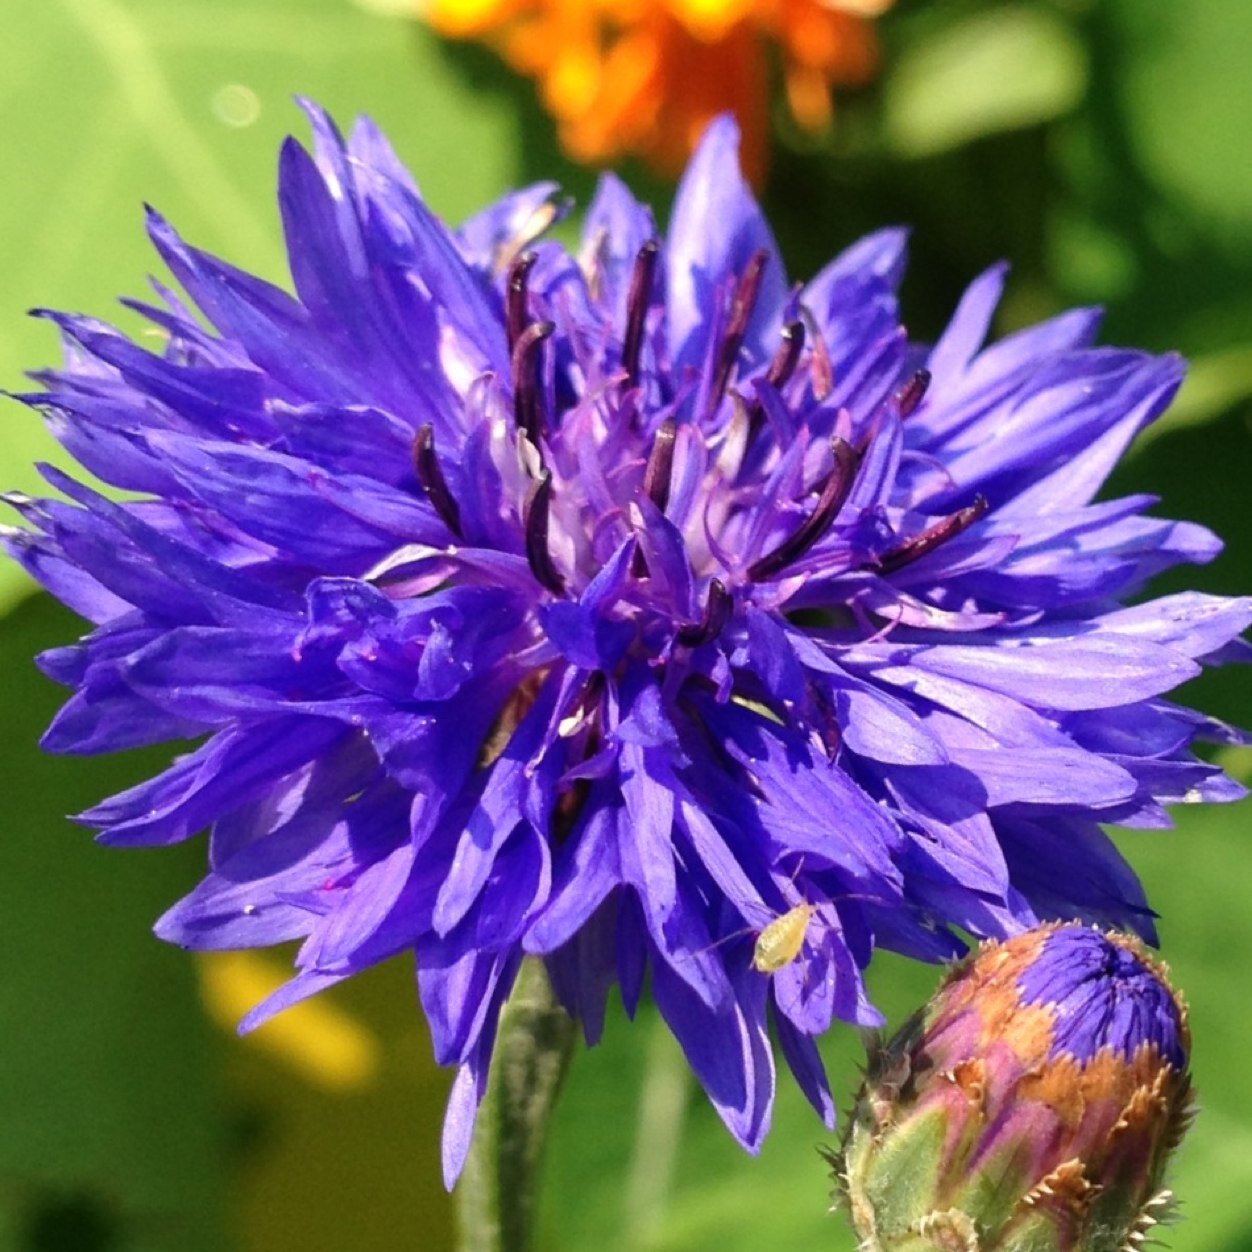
{"x":1101,"y":146}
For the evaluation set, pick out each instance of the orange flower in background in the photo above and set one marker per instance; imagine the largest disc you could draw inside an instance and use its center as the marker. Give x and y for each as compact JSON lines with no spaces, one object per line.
{"x":646,"y":76}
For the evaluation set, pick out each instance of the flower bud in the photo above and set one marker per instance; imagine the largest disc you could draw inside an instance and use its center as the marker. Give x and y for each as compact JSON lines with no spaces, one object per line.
{"x":1030,"y":1107}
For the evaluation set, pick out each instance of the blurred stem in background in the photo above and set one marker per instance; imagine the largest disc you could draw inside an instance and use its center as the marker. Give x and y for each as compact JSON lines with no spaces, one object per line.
{"x":663,"y":1097}
{"x":496,"y":1194}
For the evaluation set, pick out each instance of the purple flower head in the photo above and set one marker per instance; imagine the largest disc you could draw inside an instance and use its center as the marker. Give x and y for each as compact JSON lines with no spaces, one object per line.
{"x":610,"y":606}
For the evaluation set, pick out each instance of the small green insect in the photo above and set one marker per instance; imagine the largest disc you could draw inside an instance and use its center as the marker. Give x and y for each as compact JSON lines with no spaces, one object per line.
{"x":780,"y":942}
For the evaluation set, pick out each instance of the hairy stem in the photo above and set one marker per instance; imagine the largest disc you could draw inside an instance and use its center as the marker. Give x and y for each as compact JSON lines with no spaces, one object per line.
{"x":497,"y":1192}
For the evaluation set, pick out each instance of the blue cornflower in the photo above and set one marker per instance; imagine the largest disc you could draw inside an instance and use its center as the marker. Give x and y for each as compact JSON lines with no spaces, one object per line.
{"x":610,"y":607}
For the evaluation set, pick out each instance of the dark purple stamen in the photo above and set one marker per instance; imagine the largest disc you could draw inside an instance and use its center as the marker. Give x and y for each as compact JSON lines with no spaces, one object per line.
{"x":536,"y":523}
{"x":932,"y":537}
{"x":821,"y":368}
{"x":827,"y":722}
{"x":430,"y":478}
{"x":788,"y":355}
{"x":780,"y":369}
{"x":740,"y":313}
{"x":516,"y":310}
{"x":656,"y":477}
{"x":717,"y":610}
{"x":527,"y":403}
{"x":912,"y":393}
{"x":656,"y":481}
{"x":637,"y":308}
{"x":833,"y":496}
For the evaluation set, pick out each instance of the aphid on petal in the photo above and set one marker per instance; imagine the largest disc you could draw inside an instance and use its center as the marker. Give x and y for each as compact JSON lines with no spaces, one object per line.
{"x":780,"y":942}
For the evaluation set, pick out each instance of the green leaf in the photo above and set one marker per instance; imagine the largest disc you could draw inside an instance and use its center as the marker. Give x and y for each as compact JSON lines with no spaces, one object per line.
{"x":110,"y":1136}
{"x":1154,"y":218}
{"x":1011,"y":66}
{"x":106,"y":104}
{"x":1181,"y":72}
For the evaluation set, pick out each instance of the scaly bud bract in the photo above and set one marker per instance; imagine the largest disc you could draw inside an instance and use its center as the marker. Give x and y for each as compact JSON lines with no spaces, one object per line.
{"x":1030,"y":1107}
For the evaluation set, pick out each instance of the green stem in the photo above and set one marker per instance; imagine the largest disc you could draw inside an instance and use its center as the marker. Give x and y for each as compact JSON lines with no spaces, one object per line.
{"x":663,"y":1104}
{"x":497,"y":1191}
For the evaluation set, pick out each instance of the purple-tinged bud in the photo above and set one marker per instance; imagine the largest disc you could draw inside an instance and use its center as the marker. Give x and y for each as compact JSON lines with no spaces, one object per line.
{"x":1031,"y":1106}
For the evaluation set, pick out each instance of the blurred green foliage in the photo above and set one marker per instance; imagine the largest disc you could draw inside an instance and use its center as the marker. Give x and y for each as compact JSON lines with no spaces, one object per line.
{"x":1100,"y":144}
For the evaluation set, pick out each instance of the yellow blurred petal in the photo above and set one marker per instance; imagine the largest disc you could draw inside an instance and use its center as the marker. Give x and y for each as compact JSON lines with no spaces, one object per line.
{"x":710,"y":20}
{"x":857,"y":8}
{"x":571,"y":84}
{"x":460,"y":18}
{"x":318,"y":1040}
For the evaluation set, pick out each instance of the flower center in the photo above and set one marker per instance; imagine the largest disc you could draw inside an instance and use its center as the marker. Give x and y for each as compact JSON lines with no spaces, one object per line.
{"x":719,"y":478}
